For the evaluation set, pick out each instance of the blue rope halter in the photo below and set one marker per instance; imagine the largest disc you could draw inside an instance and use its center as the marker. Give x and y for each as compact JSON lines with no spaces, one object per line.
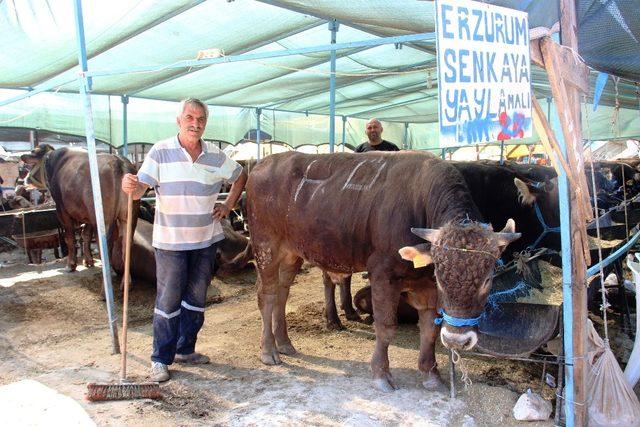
{"x":455,"y":321}
{"x":545,"y":228}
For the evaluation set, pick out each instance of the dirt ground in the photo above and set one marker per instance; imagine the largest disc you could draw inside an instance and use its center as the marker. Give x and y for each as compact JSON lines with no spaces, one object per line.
{"x":54,"y":339}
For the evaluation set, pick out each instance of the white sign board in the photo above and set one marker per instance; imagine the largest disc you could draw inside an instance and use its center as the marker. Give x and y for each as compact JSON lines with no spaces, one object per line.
{"x":484,"y":74}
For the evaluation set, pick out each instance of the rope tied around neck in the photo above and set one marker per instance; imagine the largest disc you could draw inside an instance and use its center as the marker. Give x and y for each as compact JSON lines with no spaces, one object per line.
{"x":456,"y":321}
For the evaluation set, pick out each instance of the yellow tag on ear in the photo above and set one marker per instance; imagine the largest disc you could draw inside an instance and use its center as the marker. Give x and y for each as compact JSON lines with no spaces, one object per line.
{"x":420,"y":260}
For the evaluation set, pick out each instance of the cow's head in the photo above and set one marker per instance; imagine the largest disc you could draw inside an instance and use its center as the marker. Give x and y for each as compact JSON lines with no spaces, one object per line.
{"x":464,"y":256}
{"x":35,"y":159}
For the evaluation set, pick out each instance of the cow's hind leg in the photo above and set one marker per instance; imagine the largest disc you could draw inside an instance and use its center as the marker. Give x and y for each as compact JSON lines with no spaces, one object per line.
{"x":69,"y":237}
{"x":267,"y":284}
{"x":288,"y":270}
{"x":385,"y":295}
{"x":346,"y":301}
{"x":87,"y":236}
{"x":330,"y":310}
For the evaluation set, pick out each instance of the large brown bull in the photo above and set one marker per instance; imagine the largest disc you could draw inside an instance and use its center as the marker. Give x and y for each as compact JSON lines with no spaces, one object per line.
{"x":65,"y":173}
{"x":348,"y":213}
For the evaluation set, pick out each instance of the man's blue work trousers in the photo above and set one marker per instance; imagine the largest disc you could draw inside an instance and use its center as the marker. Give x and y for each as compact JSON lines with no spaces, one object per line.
{"x":182,"y":280}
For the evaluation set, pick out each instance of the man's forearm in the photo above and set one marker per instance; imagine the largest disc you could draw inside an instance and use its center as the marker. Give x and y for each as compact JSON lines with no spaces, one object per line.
{"x":236,"y":190}
{"x":140,"y":190}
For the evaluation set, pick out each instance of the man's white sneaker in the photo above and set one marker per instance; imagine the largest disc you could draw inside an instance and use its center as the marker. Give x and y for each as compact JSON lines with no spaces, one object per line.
{"x":159,"y":372}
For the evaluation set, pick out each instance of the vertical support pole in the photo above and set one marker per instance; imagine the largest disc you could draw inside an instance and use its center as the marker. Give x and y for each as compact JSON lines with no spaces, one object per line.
{"x":344,"y":132}
{"x":333,"y":27}
{"x":258,"y":136}
{"x":125,"y":125}
{"x":444,"y":151}
{"x":502,"y":152}
{"x":405,"y":137}
{"x":33,"y":138}
{"x":567,"y":295}
{"x":84,"y":84}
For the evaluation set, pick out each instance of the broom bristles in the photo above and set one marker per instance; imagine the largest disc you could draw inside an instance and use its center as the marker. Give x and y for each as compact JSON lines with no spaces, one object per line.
{"x":98,"y":392}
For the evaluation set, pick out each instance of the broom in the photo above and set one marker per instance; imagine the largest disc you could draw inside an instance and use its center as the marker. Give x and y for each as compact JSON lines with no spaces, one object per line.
{"x":124,"y":390}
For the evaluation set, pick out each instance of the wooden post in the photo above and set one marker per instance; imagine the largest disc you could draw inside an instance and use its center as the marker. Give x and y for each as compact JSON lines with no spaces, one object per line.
{"x":566,"y":75}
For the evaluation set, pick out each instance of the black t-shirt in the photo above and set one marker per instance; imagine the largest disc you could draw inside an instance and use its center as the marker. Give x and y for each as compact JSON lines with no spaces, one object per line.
{"x":383,"y":146}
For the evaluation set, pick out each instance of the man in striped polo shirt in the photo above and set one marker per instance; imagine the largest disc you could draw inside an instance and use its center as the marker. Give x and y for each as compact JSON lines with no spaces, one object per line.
{"x":186,"y":173}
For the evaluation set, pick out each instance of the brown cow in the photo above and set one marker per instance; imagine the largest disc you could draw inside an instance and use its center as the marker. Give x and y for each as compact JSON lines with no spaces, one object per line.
{"x":355,"y":212}
{"x":65,"y":172}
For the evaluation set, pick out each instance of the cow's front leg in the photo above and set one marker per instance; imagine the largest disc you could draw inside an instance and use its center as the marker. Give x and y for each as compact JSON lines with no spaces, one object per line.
{"x":427,"y":359}
{"x":330,"y":310}
{"x":385,"y":306}
{"x":425,"y":301}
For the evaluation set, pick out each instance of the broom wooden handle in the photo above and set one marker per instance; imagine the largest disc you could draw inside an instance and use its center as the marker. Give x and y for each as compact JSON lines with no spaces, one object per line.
{"x":125,"y":298}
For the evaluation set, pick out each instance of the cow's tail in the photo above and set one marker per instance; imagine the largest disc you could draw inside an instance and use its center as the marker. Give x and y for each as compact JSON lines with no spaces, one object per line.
{"x":238,"y":263}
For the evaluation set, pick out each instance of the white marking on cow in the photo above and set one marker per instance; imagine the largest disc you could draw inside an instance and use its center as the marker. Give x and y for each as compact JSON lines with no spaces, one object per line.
{"x":263,"y":255}
{"x":452,"y":337}
{"x":364,"y":187}
{"x":305,"y":180}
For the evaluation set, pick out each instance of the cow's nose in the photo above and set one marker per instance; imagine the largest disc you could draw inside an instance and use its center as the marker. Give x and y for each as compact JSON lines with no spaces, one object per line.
{"x":458,"y":341}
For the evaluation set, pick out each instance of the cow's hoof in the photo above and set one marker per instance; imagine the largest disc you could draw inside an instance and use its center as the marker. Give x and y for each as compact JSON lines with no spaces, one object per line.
{"x":287,"y":349}
{"x":334,"y":326}
{"x":70,"y":268}
{"x":368,"y":320}
{"x":353,"y":316}
{"x":88,"y":264}
{"x":270,"y":358}
{"x":385,"y":385}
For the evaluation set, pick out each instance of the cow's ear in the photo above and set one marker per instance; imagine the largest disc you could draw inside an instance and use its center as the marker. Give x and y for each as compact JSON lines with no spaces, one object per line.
{"x":508,"y":234}
{"x":419,"y":255}
{"x":428,"y":234}
{"x":526,"y":197}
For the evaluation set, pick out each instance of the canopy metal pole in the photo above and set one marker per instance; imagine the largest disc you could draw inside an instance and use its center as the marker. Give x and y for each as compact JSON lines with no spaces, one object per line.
{"x":567,"y":295}
{"x":405,"y":138}
{"x":85,"y":86}
{"x":258,"y":113}
{"x":333,"y":27}
{"x":125,"y":141}
{"x":344,"y":129}
{"x":197,"y":63}
{"x":502,"y":152}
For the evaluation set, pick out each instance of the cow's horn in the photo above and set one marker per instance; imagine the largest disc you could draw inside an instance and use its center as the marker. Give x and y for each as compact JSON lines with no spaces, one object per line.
{"x":508,"y":234}
{"x":428,"y":234}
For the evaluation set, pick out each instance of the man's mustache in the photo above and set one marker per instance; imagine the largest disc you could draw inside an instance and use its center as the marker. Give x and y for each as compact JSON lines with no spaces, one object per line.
{"x":194,"y":128}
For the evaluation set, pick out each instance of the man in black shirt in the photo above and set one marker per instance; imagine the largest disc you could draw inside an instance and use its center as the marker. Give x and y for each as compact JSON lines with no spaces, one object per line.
{"x":375,"y":143}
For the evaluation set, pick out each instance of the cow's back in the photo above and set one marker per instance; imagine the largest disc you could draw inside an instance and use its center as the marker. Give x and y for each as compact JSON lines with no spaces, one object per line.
{"x":336,"y":210}
{"x":69,"y":178}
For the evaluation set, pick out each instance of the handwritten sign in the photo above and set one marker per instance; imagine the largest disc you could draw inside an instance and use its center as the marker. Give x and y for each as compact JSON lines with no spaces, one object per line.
{"x":484,"y":75}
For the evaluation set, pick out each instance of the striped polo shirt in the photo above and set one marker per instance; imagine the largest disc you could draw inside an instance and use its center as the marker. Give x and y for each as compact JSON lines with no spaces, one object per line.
{"x":186,"y":192}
